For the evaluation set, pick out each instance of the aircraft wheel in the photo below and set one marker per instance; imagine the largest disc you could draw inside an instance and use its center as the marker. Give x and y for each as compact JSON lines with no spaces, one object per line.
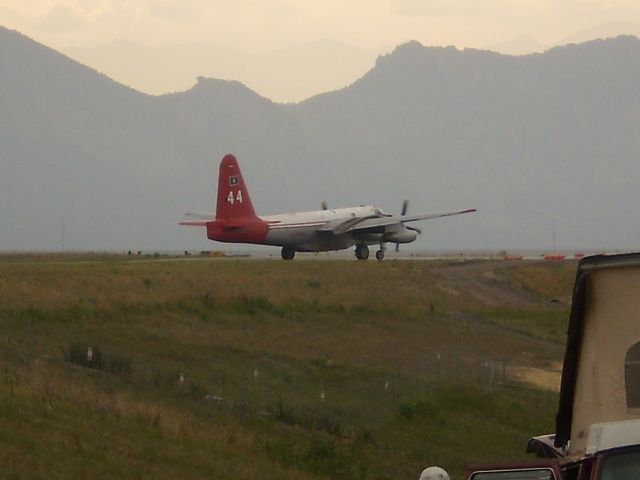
{"x":362,"y":252}
{"x":288,"y":253}
{"x":380,"y":254}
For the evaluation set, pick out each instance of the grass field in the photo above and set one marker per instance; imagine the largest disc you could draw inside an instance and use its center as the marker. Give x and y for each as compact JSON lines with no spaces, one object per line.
{"x":113,"y":367}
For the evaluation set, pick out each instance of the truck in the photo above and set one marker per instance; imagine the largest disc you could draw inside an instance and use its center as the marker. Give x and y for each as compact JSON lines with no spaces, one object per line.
{"x":597,"y":433}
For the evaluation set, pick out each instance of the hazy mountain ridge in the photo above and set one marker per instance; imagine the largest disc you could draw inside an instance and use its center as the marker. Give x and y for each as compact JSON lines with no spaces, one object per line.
{"x":153,"y":69}
{"x":528,"y":140}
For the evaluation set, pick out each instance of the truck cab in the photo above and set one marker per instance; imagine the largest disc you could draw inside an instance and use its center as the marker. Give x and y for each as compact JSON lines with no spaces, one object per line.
{"x":598,"y":422}
{"x":613,"y":454}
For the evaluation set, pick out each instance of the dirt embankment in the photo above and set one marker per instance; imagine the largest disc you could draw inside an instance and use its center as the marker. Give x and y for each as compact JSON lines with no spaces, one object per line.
{"x":483,"y":282}
{"x":488,"y":284}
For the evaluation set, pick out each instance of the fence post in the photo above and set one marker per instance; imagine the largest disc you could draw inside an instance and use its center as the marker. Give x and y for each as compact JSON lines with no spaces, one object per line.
{"x":493,"y":374}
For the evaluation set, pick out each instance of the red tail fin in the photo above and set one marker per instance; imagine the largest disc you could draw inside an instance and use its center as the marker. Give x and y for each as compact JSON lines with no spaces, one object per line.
{"x":233,"y":196}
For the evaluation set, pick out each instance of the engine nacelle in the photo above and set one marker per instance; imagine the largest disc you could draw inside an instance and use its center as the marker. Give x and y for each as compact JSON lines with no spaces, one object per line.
{"x":403,"y":236}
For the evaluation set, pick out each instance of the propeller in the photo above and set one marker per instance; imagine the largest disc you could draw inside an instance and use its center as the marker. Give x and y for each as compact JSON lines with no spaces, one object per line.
{"x":403,"y":212}
{"x":405,"y":206}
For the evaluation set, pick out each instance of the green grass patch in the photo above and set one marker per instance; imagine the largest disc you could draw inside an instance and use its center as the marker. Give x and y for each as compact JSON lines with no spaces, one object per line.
{"x":545,"y":324}
{"x":308,"y":369}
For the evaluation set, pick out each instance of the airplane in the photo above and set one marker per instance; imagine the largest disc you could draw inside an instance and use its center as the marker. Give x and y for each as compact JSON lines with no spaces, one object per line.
{"x":235,"y":221}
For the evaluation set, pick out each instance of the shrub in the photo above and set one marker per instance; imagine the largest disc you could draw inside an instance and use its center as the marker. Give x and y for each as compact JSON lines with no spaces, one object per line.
{"x":84,"y":355}
{"x":92,"y":357}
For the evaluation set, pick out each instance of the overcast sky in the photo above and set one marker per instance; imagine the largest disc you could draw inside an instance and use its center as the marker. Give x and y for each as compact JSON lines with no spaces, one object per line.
{"x":259,"y":26}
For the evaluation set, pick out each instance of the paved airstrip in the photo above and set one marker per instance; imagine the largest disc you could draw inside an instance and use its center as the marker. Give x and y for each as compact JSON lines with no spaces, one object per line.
{"x":391,"y":254}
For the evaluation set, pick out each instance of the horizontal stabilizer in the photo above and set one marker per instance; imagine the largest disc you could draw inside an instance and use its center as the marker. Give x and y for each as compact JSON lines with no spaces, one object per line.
{"x":202,"y":215}
{"x":194,"y":223}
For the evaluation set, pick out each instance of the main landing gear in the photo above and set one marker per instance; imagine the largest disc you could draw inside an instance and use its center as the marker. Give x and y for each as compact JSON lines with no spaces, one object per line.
{"x":362,"y":252}
{"x":288,"y":253}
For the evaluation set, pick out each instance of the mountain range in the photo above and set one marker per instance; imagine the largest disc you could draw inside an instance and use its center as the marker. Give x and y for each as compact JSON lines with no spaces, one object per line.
{"x":284,"y":75}
{"x":538,"y":143}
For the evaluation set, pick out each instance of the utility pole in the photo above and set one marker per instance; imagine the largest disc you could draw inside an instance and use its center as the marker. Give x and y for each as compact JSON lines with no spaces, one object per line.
{"x":62,"y":235}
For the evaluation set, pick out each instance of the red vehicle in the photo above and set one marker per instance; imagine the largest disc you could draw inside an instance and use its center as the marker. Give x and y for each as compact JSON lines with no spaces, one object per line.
{"x":598,"y":422}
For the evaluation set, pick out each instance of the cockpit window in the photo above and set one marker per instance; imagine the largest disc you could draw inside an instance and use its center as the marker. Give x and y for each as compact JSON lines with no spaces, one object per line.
{"x":516,"y":474}
{"x":624,"y":466}
{"x":632,"y":376}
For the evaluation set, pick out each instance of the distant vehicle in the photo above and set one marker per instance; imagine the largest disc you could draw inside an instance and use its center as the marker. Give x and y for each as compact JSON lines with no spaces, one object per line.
{"x":235,"y":221}
{"x":598,"y":422}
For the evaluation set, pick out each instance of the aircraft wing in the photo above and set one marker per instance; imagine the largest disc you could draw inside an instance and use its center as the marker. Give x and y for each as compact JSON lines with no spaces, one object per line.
{"x":375,"y":222}
{"x":340,"y":226}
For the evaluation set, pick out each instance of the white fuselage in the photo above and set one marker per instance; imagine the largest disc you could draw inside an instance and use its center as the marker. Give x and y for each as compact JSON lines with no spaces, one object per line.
{"x":235,"y":221}
{"x":300,"y":229}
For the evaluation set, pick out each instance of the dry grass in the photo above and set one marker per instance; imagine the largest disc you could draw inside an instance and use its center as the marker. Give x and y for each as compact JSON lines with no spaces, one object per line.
{"x":548,"y":280}
{"x":311,"y":363}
